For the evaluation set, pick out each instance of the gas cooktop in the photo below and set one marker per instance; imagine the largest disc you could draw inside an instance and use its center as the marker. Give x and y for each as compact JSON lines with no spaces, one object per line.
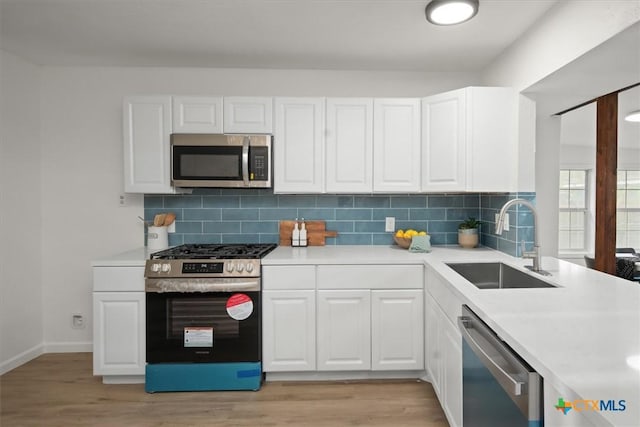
{"x":216,"y":251}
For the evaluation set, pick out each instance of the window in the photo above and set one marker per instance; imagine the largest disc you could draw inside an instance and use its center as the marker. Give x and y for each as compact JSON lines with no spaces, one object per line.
{"x":573,"y":206}
{"x":628,"y":209}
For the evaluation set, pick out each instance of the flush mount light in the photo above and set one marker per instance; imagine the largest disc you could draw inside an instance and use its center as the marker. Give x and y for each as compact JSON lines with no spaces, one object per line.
{"x":633,"y":116}
{"x":451,"y":12}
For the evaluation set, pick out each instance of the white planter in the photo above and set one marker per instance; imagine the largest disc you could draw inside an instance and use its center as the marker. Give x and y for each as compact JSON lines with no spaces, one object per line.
{"x":468,"y":237}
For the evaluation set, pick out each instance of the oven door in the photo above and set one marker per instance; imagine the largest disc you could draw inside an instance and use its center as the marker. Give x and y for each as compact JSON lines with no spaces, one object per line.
{"x":208,"y":327}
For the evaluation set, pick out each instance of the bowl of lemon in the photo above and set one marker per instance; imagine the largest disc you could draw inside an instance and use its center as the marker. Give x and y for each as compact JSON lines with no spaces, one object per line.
{"x":403,"y":237}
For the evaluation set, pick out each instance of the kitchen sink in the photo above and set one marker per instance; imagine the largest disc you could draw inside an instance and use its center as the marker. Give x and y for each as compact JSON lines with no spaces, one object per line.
{"x":496,"y":275}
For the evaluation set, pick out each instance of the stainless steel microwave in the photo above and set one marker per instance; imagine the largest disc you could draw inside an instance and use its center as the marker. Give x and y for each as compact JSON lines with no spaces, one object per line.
{"x":208,"y":160}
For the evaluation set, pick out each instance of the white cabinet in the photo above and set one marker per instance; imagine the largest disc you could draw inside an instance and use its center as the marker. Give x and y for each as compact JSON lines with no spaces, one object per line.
{"x":288,"y":318}
{"x":246,"y":114}
{"x":344,"y":330}
{"x":299,"y":145}
{"x":349,"y":145}
{"x":119,"y":324}
{"x":289,"y":330}
{"x":471,"y":140}
{"x":396,"y":145}
{"x":147,"y":125}
{"x":397,"y":329}
{"x":443,"y":348}
{"x":444,"y":142}
{"x":197,"y":114}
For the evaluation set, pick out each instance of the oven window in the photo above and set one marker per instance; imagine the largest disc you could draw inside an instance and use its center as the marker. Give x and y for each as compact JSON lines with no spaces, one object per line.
{"x":200,"y":312}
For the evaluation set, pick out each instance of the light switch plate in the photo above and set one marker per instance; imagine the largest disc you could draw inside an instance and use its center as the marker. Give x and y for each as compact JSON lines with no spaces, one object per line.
{"x":505,"y":225}
{"x":389,"y":223}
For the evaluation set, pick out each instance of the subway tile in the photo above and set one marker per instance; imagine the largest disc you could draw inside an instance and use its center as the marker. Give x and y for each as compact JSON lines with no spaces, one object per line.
{"x":296,"y":201}
{"x":258,"y":201}
{"x":454,"y":214}
{"x":317,"y":214}
{"x":176,"y":239}
{"x":443,"y":227}
{"x":471,"y":201}
{"x":445,"y":201}
{"x":429,"y":214}
{"x":239,"y":238}
{"x":353,"y":214}
{"x":371,"y":202}
{"x":202,"y":214}
{"x":382,"y":239}
{"x":191,"y":227}
{"x":249,"y":227}
{"x":182,"y":201}
{"x":240,"y":214}
{"x":269,"y":238}
{"x":354,"y":239}
{"x":153,"y":201}
{"x":221,"y":201}
{"x":408,"y":201}
{"x":438,"y":238}
{"x":210,"y":227}
{"x":202,"y":238}
{"x":398,"y":214}
{"x":334,"y":201}
{"x":278,"y":214}
{"x":340,"y":226}
{"x":369,"y":226}
{"x":451,"y":238}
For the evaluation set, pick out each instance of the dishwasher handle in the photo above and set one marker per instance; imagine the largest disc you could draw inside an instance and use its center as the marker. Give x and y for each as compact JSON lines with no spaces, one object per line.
{"x":507,"y":382}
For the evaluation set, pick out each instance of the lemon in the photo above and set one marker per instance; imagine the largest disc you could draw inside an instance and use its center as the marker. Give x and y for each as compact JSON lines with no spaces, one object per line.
{"x":422,"y":233}
{"x":399,"y":233}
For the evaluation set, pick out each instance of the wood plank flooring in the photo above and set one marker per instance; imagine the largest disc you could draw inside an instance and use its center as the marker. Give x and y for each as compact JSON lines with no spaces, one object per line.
{"x":59,"y":390}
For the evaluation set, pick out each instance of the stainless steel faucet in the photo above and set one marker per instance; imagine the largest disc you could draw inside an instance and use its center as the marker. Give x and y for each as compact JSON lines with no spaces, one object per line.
{"x":535,"y":253}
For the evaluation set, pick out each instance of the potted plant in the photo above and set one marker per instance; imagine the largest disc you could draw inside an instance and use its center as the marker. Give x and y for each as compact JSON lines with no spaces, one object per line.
{"x":468,"y":233}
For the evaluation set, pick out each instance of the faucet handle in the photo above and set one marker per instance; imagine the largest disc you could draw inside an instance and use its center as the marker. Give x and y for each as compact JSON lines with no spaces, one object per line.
{"x":523,"y":248}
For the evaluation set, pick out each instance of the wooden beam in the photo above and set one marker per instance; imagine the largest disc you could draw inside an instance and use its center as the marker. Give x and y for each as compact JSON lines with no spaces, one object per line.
{"x":606,"y":183}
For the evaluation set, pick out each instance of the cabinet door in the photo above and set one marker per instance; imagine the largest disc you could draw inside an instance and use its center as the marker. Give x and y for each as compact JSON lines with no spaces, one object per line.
{"x":119,"y":333}
{"x":243,"y":114}
{"x":344,"y":330}
{"x":397,"y":330}
{"x":197,"y":114}
{"x":147,"y":125}
{"x":349,"y":133}
{"x":288,"y":331}
{"x":452,"y":373}
{"x":433,"y":352}
{"x":299,"y":145}
{"x":444,"y":142}
{"x":396,"y":145}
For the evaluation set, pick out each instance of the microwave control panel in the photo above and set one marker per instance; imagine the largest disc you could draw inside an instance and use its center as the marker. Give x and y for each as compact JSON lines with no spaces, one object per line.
{"x":259,"y":163}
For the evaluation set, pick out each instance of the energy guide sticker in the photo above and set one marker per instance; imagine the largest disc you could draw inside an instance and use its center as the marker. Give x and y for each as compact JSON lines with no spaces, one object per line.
{"x":239,"y":306}
{"x":198,"y":336}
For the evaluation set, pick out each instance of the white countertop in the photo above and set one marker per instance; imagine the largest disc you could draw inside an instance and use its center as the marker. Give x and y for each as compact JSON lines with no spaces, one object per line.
{"x":582,"y":337}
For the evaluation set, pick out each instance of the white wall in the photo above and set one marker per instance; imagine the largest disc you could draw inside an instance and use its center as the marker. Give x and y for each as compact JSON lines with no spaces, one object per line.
{"x":82,"y":161}
{"x":21,"y":331}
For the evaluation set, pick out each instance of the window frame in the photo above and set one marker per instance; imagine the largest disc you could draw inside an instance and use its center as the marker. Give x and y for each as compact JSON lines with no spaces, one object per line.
{"x":635,"y":245}
{"x":586,"y":211}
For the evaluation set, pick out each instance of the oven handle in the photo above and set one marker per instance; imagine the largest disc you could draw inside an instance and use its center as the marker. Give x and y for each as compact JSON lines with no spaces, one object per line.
{"x":245,"y":160}
{"x":202,"y":285}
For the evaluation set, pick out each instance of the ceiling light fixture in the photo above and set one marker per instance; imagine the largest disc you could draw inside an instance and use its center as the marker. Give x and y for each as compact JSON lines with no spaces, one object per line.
{"x":633,"y":116}
{"x":451,"y":12}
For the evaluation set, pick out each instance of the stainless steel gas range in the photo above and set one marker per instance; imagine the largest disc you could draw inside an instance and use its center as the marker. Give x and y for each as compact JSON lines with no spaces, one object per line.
{"x":203,"y":321}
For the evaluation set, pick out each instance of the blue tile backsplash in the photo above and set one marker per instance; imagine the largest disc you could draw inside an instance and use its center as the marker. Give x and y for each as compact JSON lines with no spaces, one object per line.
{"x":244,"y":216}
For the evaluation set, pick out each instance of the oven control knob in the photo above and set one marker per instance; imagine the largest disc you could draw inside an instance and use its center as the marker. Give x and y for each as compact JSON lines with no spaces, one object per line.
{"x":240,"y":268}
{"x":166,"y":268}
{"x":249,"y":268}
{"x":155,"y":267}
{"x":230,"y":267}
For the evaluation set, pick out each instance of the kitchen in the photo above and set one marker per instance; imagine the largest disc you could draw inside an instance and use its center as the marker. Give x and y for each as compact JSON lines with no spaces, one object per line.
{"x":78,"y":134}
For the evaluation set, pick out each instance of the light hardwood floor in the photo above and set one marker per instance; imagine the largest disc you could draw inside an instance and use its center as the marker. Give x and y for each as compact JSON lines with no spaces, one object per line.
{"x":59,"y":390}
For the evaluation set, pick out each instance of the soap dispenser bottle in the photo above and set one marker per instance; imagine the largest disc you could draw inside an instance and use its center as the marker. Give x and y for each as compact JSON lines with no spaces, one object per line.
{"x":303,"y":234}
{"x":295,"y":235}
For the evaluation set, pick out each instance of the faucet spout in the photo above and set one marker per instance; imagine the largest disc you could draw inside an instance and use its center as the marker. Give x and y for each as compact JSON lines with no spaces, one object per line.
{"x":535,"y":253}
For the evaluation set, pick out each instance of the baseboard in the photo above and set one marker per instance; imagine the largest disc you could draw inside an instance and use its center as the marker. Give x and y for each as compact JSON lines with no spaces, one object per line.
{"x":68,"y":347}
{"x":21,"y":358}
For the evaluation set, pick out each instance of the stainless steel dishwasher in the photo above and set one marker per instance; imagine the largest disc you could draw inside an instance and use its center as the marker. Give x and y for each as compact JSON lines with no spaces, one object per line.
{"x":499,"y":389}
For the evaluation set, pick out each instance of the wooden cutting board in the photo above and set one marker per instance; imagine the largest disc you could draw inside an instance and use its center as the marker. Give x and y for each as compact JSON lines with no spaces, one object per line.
{"x":316,"y":232}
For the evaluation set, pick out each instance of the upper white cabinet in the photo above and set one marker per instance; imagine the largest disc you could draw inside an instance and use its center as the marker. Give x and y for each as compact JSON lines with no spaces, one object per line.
{"x":349,"y":145}
{"x":396,"y":146}
{"x":299,"y":145}
{"x":444,"y":142}
{"x":147,"y":125}
{"x":471,"y":140}
{"x":197,"y":114}
{"x":244,"y":114}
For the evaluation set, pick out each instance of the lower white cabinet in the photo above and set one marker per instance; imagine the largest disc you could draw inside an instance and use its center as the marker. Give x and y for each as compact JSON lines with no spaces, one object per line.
{"x":119,"y":324}
{"x":443,"y":350}
{"x":119,"y":333}
{"x":289,"y":330}
{"x":344,"y":330}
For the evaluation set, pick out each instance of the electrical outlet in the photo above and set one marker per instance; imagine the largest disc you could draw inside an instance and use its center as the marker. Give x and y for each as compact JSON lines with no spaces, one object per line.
{"x":77,"y":321}
{"x":390,"y":223}
{"x":123,"y":200}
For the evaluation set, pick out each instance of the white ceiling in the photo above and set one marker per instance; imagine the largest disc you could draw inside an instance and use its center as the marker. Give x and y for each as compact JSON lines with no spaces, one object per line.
{"x":296,"y":34}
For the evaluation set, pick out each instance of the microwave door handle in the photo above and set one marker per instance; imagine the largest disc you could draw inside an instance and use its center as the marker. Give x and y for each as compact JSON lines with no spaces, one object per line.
{"x":245,"y":160}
